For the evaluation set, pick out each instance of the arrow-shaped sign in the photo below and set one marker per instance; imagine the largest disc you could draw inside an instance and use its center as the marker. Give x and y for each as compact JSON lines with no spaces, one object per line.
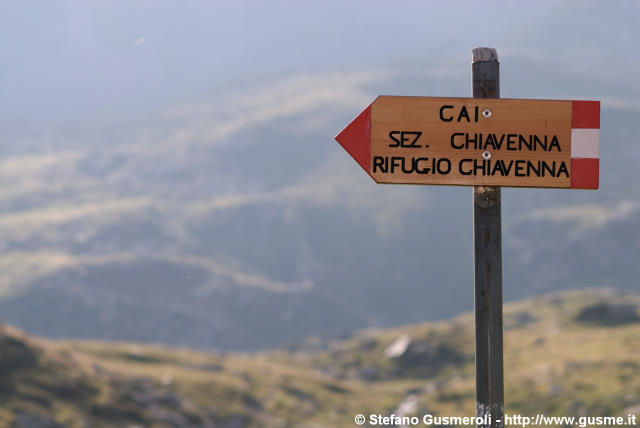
{"x":477,"y":141}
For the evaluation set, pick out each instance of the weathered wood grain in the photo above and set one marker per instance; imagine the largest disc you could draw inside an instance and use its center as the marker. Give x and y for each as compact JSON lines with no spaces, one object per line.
{"x":487,"y":227}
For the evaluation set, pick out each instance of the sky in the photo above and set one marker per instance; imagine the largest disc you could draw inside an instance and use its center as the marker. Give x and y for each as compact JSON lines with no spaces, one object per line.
{"x":99,"y":62}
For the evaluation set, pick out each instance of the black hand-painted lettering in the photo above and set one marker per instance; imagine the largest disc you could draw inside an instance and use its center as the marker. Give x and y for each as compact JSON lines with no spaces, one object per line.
{"x":392,"y":135}
{"x":464,"y":113}
{"x":442,"y":118}
{"x":408,"y":139}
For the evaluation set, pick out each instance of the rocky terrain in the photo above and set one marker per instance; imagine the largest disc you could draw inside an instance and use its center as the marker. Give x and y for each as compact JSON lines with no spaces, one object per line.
{"x":572,"y":353}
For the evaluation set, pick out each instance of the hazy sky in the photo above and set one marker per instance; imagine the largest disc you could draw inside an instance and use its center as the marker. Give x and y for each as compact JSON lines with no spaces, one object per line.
{"x":81,"y":60}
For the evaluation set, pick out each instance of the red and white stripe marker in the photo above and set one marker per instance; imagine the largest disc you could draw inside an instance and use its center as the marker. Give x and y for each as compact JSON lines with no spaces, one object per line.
{"x":585,"y":144}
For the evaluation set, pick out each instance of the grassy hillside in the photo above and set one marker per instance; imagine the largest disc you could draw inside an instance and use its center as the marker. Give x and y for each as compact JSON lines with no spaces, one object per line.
{"x":571,"y":354}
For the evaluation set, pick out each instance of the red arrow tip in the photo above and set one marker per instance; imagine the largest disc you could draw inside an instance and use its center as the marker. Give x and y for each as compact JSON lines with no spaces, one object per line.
{"x":356,"y":138}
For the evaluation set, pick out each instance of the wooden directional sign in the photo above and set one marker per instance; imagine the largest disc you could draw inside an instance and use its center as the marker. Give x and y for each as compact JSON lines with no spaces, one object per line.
{"x":477,"y":141}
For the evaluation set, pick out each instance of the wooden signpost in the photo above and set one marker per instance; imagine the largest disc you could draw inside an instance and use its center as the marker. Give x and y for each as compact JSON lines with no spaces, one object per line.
{"x":488,"y":143}
{"x":487,"y":260}
{"x":472,"y":141}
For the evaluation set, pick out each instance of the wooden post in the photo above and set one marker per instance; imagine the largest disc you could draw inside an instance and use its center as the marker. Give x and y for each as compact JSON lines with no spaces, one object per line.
{"x":487,"y":225}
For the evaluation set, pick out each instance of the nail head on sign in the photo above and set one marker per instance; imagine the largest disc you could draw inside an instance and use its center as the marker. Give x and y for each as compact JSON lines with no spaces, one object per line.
{"x":486,"y":155}
{"x":486,"y":113}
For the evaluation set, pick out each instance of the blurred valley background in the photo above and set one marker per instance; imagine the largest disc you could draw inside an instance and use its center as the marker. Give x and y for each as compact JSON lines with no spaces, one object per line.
{"x":168,"y":172}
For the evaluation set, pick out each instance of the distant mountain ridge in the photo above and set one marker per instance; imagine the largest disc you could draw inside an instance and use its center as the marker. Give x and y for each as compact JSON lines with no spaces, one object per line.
{"x":238,"y":223}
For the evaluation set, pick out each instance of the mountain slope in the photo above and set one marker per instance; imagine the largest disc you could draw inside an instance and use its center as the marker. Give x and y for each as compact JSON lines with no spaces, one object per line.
{"x":241,"y":221}
{"x":565,"y":354}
